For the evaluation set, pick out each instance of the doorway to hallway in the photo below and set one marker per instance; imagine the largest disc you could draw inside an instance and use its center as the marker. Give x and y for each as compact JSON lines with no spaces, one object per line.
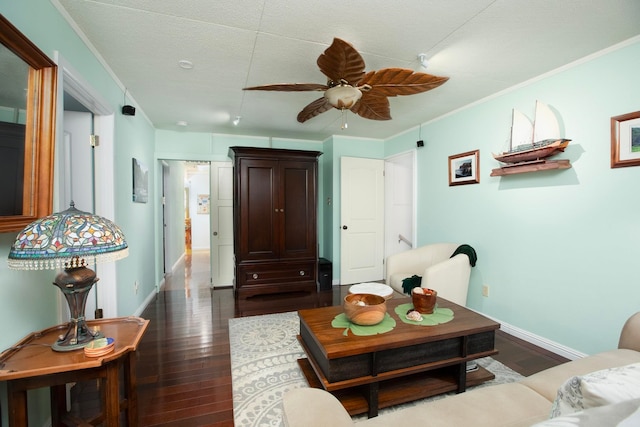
{"x":197,"y":217}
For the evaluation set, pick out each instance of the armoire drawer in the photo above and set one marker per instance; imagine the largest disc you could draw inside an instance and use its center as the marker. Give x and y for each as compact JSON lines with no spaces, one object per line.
{"x":278,"y":272}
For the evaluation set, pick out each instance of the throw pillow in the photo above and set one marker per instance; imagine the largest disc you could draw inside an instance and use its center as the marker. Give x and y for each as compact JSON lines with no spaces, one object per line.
{"x":623,"y":414}
{"x":597,"y":389}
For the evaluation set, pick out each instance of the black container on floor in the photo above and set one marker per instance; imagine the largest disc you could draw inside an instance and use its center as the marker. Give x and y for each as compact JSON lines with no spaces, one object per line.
{"x":325,"y":274}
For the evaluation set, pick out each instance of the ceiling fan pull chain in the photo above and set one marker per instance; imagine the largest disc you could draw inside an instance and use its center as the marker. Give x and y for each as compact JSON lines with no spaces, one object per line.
{"x":344,"y":119}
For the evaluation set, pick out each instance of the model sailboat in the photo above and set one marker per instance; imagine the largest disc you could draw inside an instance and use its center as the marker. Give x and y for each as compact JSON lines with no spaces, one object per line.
{"x":533,"y":142}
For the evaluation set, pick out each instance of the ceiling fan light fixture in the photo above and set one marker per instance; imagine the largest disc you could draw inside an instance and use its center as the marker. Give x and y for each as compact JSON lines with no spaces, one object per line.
{"x":343,"y":96}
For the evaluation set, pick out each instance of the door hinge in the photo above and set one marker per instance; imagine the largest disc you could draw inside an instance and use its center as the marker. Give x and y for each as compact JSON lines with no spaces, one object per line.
{"x":94,"y":140}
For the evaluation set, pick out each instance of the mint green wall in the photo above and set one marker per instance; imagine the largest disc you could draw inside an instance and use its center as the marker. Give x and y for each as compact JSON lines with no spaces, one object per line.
{"x":134,"y":138}
{"x":558,"y":249}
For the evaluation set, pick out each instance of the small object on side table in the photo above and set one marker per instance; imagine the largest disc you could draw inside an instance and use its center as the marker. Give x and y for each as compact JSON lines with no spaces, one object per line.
{"x":414,"y":315}
{"x":424,"y":300}
{"x":99,"y":347}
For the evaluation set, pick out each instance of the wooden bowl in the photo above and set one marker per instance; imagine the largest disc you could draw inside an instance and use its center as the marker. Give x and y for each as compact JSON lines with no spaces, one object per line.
{"x":424,"y":300}
{"x":365,"y":309}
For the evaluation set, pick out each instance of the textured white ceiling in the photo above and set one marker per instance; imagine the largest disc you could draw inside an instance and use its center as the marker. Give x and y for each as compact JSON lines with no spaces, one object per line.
{"x":483,"y":46}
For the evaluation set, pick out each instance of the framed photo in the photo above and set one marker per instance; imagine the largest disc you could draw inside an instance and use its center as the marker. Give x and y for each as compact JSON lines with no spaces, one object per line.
{"x":140,"y":182}
{"x":464,"y":168}
{"x":625,"y":140}
{"x":203,"y":203}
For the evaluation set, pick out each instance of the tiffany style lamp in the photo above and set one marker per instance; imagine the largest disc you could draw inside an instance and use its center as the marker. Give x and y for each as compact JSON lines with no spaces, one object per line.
{"x":70,"y":240}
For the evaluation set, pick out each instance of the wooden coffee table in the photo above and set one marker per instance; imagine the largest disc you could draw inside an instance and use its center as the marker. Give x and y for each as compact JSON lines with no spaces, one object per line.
{"x":411,"y":362}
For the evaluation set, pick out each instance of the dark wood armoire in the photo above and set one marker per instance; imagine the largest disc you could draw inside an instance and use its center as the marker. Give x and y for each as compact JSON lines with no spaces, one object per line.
{"x":274,"y":220}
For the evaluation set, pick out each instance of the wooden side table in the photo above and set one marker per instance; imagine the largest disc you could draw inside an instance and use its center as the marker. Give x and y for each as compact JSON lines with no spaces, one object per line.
{"x":31,"y":363}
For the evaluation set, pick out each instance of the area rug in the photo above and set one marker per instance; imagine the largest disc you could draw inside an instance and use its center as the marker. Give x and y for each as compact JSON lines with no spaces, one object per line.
{"x":264,"y":354}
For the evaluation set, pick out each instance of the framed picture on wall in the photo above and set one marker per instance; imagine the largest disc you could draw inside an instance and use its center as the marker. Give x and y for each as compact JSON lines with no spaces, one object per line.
{"x":140,"y":182}
{"x":464,"y":168}
{"x":203,"y":204}
{"x":625,"y":140}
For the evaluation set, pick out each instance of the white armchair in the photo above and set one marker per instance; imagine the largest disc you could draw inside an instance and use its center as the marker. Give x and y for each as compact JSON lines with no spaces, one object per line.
{"x":448,"y":276}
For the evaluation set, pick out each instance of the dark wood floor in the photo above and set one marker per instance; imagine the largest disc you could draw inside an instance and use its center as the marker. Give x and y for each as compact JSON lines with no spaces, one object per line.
{"x":184,"y":371}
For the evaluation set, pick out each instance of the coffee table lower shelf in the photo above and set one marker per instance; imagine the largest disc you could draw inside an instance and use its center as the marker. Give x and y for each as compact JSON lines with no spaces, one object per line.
{"x":398,"y":390}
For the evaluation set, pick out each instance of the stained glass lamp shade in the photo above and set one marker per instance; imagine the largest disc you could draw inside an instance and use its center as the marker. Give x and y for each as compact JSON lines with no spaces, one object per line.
{"x":70,"y":240}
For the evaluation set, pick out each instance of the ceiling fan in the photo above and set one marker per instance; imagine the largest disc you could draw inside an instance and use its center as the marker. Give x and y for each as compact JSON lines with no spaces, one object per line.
{"x":350,"y":88}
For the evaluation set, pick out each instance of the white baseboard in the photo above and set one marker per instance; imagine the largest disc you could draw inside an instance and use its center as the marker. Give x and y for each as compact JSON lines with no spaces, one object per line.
{"x":175,"y":264}
{"x":146,"y":302}
{"x":539,"y":341}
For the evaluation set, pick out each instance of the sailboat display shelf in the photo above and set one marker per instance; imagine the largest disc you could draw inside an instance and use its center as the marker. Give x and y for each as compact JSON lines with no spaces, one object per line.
{"x":531,"y":144}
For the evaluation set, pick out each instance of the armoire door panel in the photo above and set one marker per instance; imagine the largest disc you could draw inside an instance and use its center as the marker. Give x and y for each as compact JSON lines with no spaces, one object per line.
{"x":299,"y":218}
{"x":257,"y":233}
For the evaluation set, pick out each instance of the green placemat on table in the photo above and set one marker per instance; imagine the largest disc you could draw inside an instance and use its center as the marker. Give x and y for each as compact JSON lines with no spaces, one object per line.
{"x":342,"y":322}
{"x":439,"y":315}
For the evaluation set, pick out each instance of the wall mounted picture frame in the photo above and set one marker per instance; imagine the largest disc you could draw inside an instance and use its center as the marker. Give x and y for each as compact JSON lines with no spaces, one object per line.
{"x":625,"y":140}
{"x":203,"y":204}
{"x":464,"y":168}
{"x":140,"y":181}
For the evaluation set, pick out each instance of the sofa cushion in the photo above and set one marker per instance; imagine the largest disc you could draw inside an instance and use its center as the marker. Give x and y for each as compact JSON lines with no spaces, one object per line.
{"x":396,"y":279}
{"x":622,"y":414}
{"x":312,"y":407}
{"x":598,"y":388}
{"x":497,"y":405}
{"x":548,"y":381}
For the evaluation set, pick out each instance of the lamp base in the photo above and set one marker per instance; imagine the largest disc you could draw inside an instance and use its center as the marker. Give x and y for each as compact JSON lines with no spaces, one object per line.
{"x":65,"y":344}
{"x":75,"y":284}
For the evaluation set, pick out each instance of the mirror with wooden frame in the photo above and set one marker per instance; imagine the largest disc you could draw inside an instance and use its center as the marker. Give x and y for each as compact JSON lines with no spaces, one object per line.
{"x":27,"y":129}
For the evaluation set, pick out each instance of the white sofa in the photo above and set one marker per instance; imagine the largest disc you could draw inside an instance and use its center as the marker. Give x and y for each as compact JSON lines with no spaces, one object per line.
{"x":608,"y":397}
{"x":448,"y":276}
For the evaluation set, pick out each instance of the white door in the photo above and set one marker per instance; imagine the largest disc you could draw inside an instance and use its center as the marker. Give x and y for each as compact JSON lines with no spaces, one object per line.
{"x":399,"y":203}
{"x":78,"y":174}
{"x":77,"y":178}
{"x":222,"y":266}
{"x":362,"y":220}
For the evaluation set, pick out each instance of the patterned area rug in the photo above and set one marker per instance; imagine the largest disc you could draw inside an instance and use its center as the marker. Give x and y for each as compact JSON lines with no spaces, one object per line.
{"x":264,"y":354}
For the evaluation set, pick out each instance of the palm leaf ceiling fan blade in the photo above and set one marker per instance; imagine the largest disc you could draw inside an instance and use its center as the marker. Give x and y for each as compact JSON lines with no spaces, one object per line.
{"x":400,"y":81}
{"x":318,"y":106}
{"x":341,"y":62}
{"x":349,"y":87}
{"x":373,"y":107}
{"x":291,"y":87}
